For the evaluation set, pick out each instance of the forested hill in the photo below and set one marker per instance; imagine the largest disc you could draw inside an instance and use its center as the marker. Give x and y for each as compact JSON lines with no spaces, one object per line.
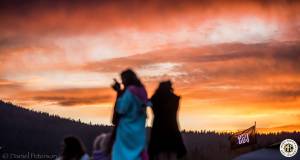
{"x":23,"y":130}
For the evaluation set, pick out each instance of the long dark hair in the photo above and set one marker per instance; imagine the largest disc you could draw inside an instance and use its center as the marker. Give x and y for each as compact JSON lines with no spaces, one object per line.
{"x":164,"y":90}
{"x":73,"y":148}
{"x":165,"y":87}
{"x":130,"y":78}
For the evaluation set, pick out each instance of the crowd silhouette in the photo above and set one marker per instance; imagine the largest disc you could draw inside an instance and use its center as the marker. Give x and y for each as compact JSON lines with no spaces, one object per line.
{"x":24,"y":131}
{"x":128,"y":139}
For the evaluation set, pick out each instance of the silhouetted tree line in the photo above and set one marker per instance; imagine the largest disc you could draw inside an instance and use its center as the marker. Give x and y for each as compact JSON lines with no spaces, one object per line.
{"x":23,"y":130}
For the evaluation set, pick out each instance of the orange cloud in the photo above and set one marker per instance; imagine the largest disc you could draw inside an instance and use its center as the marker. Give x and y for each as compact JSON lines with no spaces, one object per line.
{"x":232,"y":62}
{"x":68,"y":97}
{"x":6,"y":85}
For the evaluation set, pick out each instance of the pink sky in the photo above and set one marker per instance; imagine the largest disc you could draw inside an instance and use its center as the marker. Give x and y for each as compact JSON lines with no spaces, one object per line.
{"x":233,"y":63}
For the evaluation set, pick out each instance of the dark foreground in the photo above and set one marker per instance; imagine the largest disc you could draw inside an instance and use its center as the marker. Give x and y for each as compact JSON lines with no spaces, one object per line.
{"x":28,"y":134}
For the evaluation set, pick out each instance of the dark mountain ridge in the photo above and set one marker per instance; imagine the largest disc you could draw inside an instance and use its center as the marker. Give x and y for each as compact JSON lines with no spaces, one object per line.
{"x":24,"y":131}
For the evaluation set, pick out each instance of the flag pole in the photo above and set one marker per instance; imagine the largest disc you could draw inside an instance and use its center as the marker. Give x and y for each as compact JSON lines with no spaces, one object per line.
{"x":255,"y":131}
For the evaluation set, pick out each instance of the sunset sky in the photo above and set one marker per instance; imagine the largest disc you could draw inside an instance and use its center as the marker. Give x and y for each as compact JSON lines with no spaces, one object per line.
{"x":232,"y":62}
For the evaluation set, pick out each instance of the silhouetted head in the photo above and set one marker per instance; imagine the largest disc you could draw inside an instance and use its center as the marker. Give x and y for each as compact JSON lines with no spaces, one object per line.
{"x":130,"y":78}
{"x":73,"y":148}
{"x":101,"y":142}
{"x":163,"y":91}
{"x":165,"y":87}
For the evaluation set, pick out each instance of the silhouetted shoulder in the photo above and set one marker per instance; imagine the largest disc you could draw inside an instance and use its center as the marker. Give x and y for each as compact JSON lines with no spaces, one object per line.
{"x":175,"y":97}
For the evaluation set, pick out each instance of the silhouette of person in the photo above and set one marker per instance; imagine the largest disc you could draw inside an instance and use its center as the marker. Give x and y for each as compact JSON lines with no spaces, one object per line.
{"x":115,"y":118}
{"x":130,"y":138}
{"x":100,"y":147}
{"x":165,"y":139}
{"x":73,"y":150}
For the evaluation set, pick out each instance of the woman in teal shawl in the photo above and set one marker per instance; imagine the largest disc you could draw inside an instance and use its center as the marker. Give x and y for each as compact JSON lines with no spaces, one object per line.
{"x":130,"y":140}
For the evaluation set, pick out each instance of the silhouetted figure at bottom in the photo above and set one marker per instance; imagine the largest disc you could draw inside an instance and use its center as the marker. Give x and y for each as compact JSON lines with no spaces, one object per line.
{"x":73,"y":150}
{"x":101,"y":147}
{"x":165,"y":141}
